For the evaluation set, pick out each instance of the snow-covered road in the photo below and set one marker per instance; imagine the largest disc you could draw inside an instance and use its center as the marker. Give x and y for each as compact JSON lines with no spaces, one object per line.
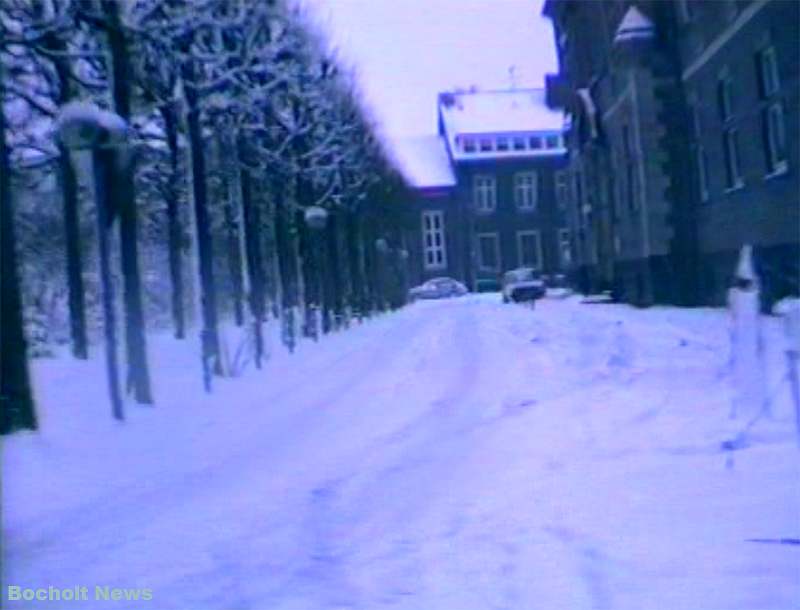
{"x":455,"y":455}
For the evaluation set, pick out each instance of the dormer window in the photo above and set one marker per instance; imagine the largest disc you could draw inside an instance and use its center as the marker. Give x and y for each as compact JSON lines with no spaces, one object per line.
{"x":487,"y":145}
{"x":502,"y":144}
{"x":519,"y":143}
{"x":468,"y":144}
{"x":535,"y":142}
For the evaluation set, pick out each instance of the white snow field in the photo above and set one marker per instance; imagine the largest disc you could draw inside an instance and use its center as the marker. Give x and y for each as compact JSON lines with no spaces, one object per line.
{"x":455,"y":455}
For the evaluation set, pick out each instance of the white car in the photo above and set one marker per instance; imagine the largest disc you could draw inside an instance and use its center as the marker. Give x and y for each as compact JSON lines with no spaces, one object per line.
{"x":522,"y":284}
{"x":438,"y":288}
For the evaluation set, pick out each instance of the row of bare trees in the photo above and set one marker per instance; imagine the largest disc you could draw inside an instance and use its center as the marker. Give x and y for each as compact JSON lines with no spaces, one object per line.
{"x":245,"y":150}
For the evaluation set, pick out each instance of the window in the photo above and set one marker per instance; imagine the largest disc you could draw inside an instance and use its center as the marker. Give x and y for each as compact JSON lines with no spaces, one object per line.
{"x":702,"y":172}
{"x":730,"y":146}
{"x":502,"y":144}
{"x":529,"y":248}
{"x":519,"y":143}
{"x":487,"y":145}
{"x":767,"y":67}
{"x":630,"y":169}
{"x":525,"y":190}
{"x":433,"y":243}
{"x":485,"y":193}
{"x":725,"y":97}
{"x":469,"y":145}
{"x":701,"y":159}
{"x":579,"y":193}
{"x":562,"y":189}
{"x":565,"y":247}
{"x":774,"y":138}
{"x":535,"y":142}
{"x":488,"y":252}
{"x":551,"y":141}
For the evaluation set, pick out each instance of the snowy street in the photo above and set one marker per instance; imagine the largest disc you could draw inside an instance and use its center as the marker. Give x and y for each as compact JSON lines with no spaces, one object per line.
{"x":458,"y":454}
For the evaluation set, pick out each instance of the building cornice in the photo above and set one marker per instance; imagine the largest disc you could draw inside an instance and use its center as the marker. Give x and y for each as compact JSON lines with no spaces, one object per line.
{"x":722,"y":39}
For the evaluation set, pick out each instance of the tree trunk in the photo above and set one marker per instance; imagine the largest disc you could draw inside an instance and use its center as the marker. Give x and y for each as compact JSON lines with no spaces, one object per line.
{"x":103,"y":164}
{"x":72,"y":240}
{"x":286,"y":268}
{"x":212,"y":363}
{"x":174,"y":232}
{"x":16,"y":400}
{"x":251,"y":226}
{"x":334,"y":276}
{"x":355,"y":269}
{"x":234,"y":257}
{"x":138,"y":378}
{"x":309,"y":267}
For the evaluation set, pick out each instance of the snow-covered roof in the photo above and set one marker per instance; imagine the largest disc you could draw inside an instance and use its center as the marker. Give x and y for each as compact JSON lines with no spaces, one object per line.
{"x":515,"y":112}
{"x":634,"y":25}
{"x":423,"y":161}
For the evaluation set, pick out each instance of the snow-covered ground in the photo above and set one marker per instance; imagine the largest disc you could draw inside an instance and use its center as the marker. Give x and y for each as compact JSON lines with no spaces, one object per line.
{"x":455,"y":455}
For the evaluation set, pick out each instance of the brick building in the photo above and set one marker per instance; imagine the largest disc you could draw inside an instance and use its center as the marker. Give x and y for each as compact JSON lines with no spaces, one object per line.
{"x":485,"y":190}
{"x":683,"y":144}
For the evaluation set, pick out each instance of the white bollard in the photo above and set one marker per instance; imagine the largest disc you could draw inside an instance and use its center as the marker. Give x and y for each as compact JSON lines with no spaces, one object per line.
{"x":789,"y":310}
{"x":747,"y":346}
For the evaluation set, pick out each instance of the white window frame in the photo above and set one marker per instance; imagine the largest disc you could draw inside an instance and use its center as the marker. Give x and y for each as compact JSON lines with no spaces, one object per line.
{"x":503,"y":144}
{"x":685,"y":11}
{"x":468,"y":145}
{"x":481,"y":264}
{"x":631,"y":169}
{"x":725,"y":96}
{"x":519,"y":143}
{"x":537,"y":235}
{"x":486,"y":144}
{"x":561,"y":178}
{"x":701,"y":160}
{"x":434,"y":255}
{"x":565,"y":246}
{"x":768,"y":72}
{"x":730,"y":154}
{"x":775,"y":134}
{"x":484,"y":193}
{"x":526,"y":191}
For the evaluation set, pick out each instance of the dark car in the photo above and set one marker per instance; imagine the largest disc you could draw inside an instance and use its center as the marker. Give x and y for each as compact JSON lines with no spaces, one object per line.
{"x":522,"y":285}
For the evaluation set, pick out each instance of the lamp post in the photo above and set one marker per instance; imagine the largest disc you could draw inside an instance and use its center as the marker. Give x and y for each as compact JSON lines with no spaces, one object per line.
{"x":83,"y":126}
{"x":316,"y":218}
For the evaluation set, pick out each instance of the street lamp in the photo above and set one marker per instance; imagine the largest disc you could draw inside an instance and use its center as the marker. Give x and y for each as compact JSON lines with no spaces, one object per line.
{"x":82,"y":126}
{"x":316,"y":217}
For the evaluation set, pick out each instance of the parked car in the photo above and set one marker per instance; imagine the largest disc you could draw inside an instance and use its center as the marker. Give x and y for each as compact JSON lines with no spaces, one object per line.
{"x":521,"y":285}
{"x":438,"y":288}
{"x":557,"y":286}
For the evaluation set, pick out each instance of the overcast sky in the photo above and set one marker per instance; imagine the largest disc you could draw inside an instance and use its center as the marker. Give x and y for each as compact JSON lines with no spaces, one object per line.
{"x":406,"y":51}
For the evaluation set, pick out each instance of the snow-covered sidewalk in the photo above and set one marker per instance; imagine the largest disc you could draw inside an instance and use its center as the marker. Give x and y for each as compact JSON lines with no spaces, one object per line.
{"x":455,"y":455}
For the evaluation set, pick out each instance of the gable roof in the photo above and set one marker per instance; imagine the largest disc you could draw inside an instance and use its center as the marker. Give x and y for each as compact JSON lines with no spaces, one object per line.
{"x":423,"y":161}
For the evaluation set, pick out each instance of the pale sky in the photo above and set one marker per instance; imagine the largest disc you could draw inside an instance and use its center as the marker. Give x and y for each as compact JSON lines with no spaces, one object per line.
{"x":406,"y":51}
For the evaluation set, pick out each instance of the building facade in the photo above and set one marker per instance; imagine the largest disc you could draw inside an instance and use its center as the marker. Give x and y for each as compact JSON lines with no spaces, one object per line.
{"x":683,"y":143}
{"x":489,"y":189}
